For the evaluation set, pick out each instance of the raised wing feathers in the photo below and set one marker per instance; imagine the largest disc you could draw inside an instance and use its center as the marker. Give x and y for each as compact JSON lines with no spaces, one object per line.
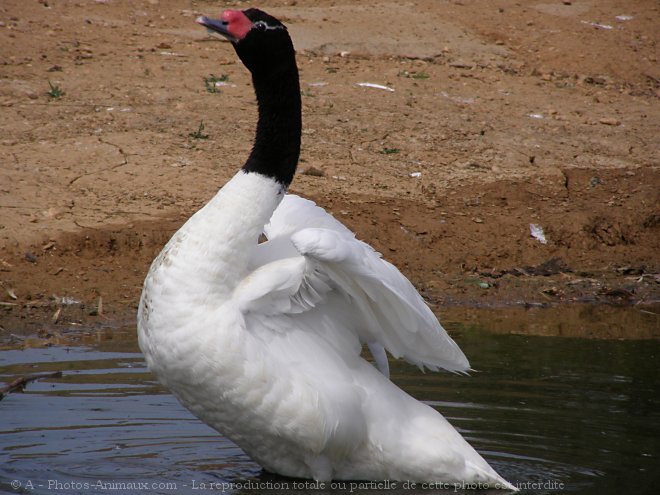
{"x":392,"y":311}
{"x":385,"y":308}
{"x":286,"y":286}
{"x":295,"y":213}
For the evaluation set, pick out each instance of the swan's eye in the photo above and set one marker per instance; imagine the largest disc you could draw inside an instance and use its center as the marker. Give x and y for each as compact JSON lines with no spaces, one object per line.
{"x":264,"y":26}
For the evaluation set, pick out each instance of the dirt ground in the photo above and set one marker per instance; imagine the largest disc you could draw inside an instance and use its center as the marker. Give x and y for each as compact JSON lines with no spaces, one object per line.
{"x":120,"y":119}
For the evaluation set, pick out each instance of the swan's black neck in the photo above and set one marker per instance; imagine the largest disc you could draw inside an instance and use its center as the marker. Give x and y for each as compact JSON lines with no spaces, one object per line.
{"x":277,"y":142}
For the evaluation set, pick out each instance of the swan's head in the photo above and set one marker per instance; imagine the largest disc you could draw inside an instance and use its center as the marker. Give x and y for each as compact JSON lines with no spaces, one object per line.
{"x":261,"y":41}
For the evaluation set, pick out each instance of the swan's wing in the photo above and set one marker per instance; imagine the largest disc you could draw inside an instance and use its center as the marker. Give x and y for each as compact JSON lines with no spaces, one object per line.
{"x":385,"y":308}
{"x":390,"y":310}
{"x":295,"y":213}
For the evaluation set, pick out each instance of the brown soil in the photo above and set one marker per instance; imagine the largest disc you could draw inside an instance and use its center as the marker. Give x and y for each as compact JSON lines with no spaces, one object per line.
{"x":509,"y":113}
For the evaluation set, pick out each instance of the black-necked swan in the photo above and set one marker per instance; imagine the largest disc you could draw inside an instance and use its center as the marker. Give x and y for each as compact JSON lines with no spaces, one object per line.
{"x":262,"y":341}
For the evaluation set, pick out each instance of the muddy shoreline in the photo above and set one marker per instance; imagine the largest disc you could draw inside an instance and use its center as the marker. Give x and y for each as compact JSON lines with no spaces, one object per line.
{"x":67,"y":289}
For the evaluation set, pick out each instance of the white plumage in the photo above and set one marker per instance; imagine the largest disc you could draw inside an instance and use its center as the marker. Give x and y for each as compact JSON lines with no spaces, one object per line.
{"x":263,"y":342}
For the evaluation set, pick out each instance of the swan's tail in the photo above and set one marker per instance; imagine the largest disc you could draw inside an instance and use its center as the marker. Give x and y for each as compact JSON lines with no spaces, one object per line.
{"x":443,"y":454}
{"x":488,"y":473}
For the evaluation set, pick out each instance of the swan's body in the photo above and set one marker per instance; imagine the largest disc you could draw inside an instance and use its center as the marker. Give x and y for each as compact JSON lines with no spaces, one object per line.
{"x":262,"y":341}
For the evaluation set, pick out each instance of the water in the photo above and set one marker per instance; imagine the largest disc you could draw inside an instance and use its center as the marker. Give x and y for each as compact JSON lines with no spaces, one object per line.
{"x":550,"y":414}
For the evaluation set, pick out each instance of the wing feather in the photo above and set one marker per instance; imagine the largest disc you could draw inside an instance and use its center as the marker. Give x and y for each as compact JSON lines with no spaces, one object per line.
{"x":385,"y":309}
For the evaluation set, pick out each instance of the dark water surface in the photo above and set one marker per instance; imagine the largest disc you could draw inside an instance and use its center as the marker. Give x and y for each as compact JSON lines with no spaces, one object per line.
{"x":551,"y":414}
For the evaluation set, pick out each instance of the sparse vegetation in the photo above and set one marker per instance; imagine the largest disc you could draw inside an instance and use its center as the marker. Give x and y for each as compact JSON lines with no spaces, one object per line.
{"x":199,"y":133}
{"x":210,"y":81}
{"x":55,"y":91}
{"x":389,"y":151}
{"x":413,"y":75}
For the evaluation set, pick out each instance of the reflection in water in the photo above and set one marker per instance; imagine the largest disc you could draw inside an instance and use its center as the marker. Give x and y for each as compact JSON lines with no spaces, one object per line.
{"x":548,"y":413}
